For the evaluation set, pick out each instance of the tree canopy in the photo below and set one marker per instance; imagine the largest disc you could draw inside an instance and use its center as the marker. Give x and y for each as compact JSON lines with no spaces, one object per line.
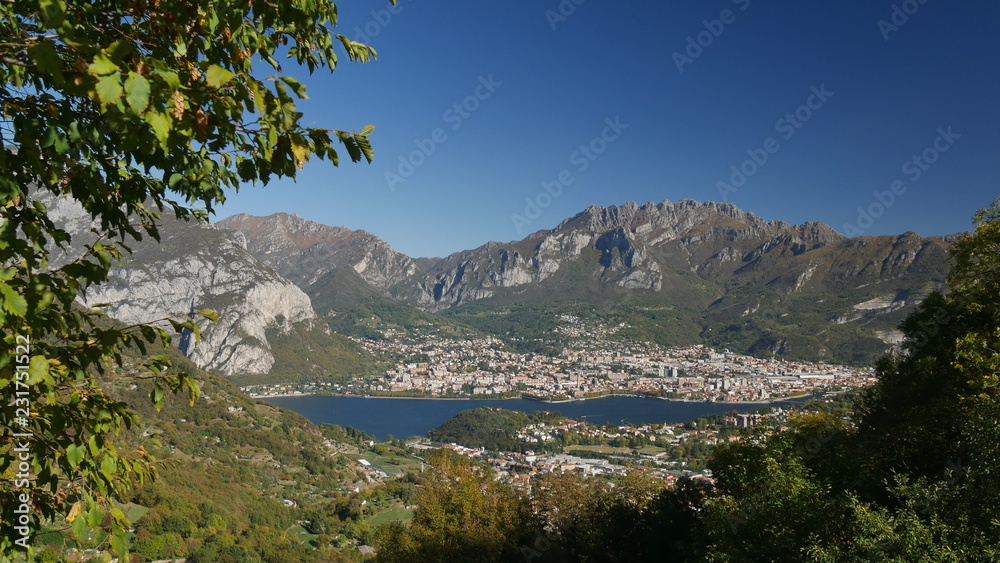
{"x":916,"y":476}
{"x":131,"y":108}
{"x":464,"y":515}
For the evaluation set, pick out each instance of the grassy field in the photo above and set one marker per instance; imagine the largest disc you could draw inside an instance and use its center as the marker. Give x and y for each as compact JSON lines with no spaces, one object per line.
{"x":391,"y":515}
{"x":302,"y":535}
{"x":392,"y":465}
{"x":133,"y":511}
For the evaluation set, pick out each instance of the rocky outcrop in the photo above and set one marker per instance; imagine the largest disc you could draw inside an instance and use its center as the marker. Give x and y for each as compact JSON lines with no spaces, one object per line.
{"x":636,"y":247}
{"x":195,"y":267}
{"x":306,"y":251}
{"x":629,"y":247}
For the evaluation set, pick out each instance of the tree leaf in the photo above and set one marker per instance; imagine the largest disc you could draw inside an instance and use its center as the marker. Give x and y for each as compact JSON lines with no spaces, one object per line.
{"x":137,"y":92}
{"x":38,"y":370}
{"x":119,"y":516}
{"x":209,"y":314}
{"x":13,"y":302}
{"x":366,"y":147}
{"x":118,"y":544}
{"x":300,"y":150}
{"x":94,"y":516}
{"x":156,"y":395}
{"x":161,"y":125}
{"x":109,"y":89}
{"x":102,"y":66}
{"x":46,"y":58}
{"x":77,"y":506}
{"x":109,"y":466}
{"x":53,"y":13}
{"x":75,"y":455}
{"x":171,"y":78}
{"x":217,"y":76}
{"x":296,"y":86}
{"x":194,"y":391}
{"x":79,"y":526}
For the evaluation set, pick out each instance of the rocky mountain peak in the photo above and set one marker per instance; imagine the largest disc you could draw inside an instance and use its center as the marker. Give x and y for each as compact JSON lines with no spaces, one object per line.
{"x":305,"y":251}
{"x":691,"y":221}
{"x":678,"y":216}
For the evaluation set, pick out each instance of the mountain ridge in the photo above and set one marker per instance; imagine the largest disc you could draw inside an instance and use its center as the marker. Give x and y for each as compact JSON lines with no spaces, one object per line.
{"x":707,"y":260}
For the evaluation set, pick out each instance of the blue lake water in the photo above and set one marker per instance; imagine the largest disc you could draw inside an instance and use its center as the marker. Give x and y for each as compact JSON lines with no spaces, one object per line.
{"x":415,"y":417}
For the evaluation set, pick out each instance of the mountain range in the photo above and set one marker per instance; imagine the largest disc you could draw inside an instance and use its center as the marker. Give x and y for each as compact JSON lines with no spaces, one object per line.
{"x":674,"y":272}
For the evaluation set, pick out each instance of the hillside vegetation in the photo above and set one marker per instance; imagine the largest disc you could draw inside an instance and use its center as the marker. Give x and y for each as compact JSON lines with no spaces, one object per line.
{"x":491,"y":428}
{"x":235,"y":477}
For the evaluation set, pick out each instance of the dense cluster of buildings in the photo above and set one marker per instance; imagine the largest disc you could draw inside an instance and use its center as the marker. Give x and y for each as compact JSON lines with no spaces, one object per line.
{"x":592,"y":364}
{"x":595,"y":364}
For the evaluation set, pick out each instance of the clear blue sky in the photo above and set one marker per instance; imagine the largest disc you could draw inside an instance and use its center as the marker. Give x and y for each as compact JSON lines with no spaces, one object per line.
{"x":535,"y":82}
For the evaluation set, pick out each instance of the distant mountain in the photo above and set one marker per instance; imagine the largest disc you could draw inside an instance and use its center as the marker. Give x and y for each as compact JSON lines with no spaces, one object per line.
{"x":305,"y":251}
{"x":200,"y":266}
{"x":675,"y":272}
{"x":347,"y":274}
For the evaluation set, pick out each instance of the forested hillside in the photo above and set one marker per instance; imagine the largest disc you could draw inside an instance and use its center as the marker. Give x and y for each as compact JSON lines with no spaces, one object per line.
{"x":236,"y":477}
{"x":490,"y":428}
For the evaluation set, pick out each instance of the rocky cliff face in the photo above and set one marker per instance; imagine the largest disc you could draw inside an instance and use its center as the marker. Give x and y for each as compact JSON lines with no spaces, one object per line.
{"x":634,"y":248}
{"x":305,"y":251}
{"x":198,"y":267}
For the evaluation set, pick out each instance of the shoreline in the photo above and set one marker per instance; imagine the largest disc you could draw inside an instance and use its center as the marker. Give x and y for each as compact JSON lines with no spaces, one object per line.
{"x":545,"y":401}
{"x":379,"y":397}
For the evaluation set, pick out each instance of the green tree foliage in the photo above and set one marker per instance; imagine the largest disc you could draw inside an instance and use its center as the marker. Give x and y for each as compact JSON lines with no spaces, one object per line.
{"x":491,"y":428}
{"x":933,"y":413}
{"x":917,"y":478}
{"x":464,"y":515}
{"x":634,"y":518}
{"x":132,"y":109}
{"x":344,"y":508}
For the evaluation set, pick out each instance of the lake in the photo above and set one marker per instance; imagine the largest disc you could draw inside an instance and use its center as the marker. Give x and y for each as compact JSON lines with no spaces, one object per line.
{"x":415,"y":417}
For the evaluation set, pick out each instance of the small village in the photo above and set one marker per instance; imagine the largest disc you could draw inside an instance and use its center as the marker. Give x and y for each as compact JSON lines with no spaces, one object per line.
{"x":620,"y":449}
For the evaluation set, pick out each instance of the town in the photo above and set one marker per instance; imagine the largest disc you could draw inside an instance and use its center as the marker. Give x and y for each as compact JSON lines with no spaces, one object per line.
{"x":592,"y":364}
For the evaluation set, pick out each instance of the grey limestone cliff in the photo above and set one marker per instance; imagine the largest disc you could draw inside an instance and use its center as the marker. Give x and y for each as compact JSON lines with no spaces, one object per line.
{"x":198,"y":266}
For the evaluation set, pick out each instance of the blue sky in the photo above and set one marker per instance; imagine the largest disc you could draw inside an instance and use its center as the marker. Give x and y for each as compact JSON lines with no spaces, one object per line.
{"x":497,"y":119}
